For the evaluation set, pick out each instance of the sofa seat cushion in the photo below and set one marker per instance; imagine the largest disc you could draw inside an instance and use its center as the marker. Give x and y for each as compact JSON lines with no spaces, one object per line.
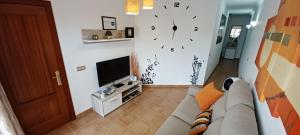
{"x":174,"y":126}
{"x":239,"y":93}
{"x":219,"y":108}
{"x":214,"y":128}
{"x":187,"y":110}
{"x":239,"y":120}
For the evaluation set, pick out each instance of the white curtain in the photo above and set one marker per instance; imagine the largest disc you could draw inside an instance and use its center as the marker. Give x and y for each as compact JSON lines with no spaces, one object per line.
{"x":9,"y":124}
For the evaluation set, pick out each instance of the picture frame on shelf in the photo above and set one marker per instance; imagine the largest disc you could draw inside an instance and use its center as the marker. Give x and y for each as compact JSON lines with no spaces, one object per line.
{"x":109,"y":23}
{"x":129,"y":32}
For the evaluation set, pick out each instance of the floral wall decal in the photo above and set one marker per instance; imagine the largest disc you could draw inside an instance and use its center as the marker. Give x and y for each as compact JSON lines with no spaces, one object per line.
{"x":149,"y":75}
{"x":197,"y":64}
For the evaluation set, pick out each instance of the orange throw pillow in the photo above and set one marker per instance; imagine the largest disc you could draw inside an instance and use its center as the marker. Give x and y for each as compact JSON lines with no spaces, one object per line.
{"x":207,"y":96}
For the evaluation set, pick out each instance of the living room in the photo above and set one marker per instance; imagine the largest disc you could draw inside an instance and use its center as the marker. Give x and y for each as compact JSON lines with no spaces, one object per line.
{"x":156,"y":56}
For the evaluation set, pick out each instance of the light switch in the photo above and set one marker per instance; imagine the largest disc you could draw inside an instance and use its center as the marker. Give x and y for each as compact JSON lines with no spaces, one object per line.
{"x":81,"y":68}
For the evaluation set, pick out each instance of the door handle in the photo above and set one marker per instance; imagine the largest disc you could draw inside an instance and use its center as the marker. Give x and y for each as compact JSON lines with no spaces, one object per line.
{"x":58,"y":78}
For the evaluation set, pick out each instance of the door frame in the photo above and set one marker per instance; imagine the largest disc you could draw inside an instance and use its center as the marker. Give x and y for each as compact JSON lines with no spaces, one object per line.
{"x":61,"y":66}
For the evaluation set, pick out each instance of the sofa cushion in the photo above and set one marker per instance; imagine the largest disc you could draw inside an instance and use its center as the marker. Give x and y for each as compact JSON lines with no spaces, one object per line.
{"x":208,"y":96}
{"x":219,"y":108}
{"x":239,"y":93}
{"x":239,"y":120}
{"x":174,"y":126}
{"x":201,"y":123}
{"x":187,"y":110}
{"x":193,"y":90}
{"x":214,"y":128}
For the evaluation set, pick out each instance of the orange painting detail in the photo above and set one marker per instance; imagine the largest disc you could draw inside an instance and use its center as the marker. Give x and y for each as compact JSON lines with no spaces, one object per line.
{"x":277,"y":62}
{"x":295,"y":130}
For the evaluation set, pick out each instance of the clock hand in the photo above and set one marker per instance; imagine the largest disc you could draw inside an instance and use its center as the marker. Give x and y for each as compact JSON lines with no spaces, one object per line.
{"x":173,"y":34}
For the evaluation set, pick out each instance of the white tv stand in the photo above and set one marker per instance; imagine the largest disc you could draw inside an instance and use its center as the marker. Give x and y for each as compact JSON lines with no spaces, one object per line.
{"x":122,"y":95}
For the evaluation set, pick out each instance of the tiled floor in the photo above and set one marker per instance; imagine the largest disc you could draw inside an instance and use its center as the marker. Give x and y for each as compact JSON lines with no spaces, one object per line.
{"x":143,"y":115}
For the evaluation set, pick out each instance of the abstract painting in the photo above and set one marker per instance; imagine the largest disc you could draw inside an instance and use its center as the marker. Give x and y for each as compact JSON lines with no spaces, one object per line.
{"x":278,"y":80}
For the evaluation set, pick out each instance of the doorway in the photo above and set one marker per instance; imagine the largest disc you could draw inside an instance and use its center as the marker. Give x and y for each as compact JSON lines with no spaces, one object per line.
{"x":31,"y":66}
{"x":235,"y":36}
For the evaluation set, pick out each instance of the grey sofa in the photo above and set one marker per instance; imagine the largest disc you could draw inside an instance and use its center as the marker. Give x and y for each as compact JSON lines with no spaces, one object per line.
{"x":233,"y":114}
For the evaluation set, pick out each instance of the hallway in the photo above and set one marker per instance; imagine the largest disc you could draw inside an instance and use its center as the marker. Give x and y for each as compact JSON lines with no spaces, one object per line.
{"x":226,"y":68}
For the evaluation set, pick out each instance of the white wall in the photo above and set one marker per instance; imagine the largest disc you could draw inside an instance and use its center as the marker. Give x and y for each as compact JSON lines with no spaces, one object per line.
{"x":176,"y":67}
{"x":248,"y":70}
{"x":73,"y":15}
{"x":215,"y":50}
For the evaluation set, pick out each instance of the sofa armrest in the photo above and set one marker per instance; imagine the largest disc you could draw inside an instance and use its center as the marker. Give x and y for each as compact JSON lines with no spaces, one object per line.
{"x":193,"y":90}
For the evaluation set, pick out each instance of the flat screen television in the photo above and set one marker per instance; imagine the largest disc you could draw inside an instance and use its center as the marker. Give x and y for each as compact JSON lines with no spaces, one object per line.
{"x":111,"y":70}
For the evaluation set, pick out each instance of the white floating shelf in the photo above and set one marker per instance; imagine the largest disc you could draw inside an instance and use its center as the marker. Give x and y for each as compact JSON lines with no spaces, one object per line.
{"x":106,"y":40}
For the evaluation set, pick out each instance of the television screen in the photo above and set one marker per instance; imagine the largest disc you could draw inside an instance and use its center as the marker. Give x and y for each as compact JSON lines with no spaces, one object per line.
{"x":112,"y":70}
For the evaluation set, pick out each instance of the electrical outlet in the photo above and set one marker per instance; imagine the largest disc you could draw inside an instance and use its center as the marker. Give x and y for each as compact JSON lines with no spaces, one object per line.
{"x":81,"y":68}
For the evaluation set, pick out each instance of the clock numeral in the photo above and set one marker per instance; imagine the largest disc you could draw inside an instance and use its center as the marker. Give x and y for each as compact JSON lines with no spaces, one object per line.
{"x":191,"y":39}
{"x":176,"y":4}
{"x":152,"y":27}
{"x":196,"y":29}
{"x":156,"y":16}
{"x":194,"y":17}
{"x":182,"y":47}
{"x":187,"y":8}
{"x":162,"y":47}
{"x":172,"y":49}
{"x":165,"y":6}
{"x":155,"y":39}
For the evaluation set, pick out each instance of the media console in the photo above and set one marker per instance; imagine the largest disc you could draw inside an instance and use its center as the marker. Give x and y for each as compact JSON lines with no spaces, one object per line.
{"x":107,"y":104}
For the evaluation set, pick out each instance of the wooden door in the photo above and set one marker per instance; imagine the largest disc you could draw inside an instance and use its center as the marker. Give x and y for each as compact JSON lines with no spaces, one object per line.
{"x":31,"y":66}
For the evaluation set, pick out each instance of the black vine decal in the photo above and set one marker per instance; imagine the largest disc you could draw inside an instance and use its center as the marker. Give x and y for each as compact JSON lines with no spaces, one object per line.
{"x":197,"y":64}
{"x":147,"y":78}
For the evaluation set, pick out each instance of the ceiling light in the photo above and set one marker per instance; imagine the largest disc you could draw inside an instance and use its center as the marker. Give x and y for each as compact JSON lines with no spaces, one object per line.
{"x":132,"y":7}
{"x":148,"y":4}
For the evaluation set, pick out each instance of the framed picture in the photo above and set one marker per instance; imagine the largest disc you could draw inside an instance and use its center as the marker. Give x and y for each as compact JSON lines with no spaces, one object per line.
{"x":221,"y":29}
{"x":109,"y":23}
{"x":129,"y":32}
{"x":223,"y":20}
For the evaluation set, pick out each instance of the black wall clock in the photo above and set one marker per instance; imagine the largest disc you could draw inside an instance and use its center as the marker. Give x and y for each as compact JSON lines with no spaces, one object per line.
{"x":173,"y":25}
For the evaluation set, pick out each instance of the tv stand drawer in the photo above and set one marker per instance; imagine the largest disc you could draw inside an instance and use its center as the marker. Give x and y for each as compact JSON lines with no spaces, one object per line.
{"x":112,"y":104}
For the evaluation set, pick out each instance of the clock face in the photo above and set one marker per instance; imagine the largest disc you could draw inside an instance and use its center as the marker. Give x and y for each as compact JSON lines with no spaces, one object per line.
{"x":174,"y":26}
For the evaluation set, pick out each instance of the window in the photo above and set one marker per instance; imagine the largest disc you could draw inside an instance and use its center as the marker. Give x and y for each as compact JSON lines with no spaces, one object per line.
{"x":235,"y":31}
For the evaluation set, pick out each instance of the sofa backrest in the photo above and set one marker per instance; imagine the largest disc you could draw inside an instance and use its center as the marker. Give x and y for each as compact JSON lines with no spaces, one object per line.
{"x":239,"y":93}
{"x":240,"y":115}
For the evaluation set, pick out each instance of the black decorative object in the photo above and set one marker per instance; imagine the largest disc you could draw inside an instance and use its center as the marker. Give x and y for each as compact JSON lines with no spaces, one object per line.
{"x":129,"y":32}
{"x":108,"y":35}
{"x":109,"y":23}
{"x":197,"y":64}
{"x":147,"y":78}
{"x":95,"y":37}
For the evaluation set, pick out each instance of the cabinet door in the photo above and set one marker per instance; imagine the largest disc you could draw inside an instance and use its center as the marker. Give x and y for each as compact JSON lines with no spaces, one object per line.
{"x":112,"y":104}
